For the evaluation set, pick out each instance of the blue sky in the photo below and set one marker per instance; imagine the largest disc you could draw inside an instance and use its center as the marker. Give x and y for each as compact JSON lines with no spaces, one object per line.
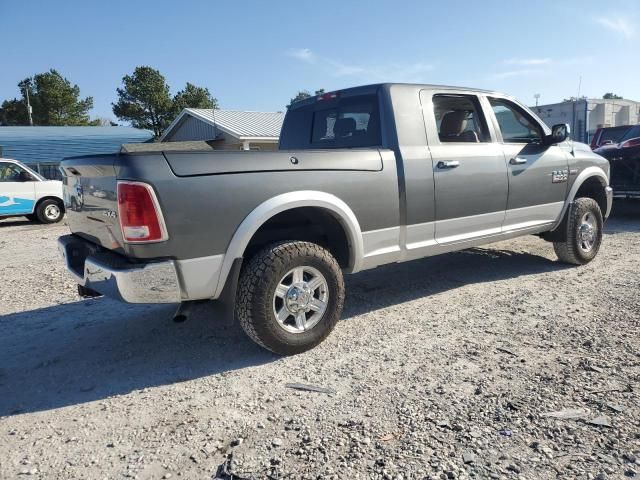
{"x":255,"y":55}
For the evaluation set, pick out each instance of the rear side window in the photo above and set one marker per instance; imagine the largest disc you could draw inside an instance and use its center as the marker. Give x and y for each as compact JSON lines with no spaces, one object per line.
{"x":459,"y":119}
{"x":350,"y":122}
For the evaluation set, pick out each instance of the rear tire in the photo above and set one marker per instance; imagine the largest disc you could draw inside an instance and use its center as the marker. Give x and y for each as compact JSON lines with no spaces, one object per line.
{"x":584,"y":233}
{"x":49,"y":211}
{"x":290,"y":296}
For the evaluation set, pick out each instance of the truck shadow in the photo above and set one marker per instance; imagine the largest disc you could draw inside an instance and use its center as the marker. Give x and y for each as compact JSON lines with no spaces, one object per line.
{"x":94,"y":349}
{"x":392,"y":284}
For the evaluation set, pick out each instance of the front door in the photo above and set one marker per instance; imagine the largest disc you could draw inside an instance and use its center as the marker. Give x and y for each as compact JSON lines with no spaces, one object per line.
{"x":470,"y":174}
{"x":538,"y":173}
{"x":17,"y":190}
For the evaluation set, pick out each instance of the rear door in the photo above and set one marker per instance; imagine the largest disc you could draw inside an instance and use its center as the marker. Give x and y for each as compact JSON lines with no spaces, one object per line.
{"x":470,"y":175}
{"x":17,"y":190}
{"x":538,"y":174}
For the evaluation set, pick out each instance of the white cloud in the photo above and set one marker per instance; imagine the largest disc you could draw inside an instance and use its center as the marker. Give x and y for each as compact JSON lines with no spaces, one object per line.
{"x":302,"y":54}
{"x":619,"y":24}
{"x":528,"y":61}
{"x":413,"y":72}
{"x":513,"y":73}
{"x":339,"y":69}
{"x":396,"y":72}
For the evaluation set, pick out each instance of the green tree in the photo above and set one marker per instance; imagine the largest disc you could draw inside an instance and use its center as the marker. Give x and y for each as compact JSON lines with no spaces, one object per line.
{"x":144,"y":100}
{"x":193,"y":97}
{"x":304,"y":94}
{"x":54,"y":100}
{"x":14,"y":112}
{"x":611,"y":96}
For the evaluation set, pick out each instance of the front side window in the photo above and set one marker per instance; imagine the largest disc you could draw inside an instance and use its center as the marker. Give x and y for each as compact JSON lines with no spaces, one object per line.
{"x":516,"y":126}
{"x":10,"y":172}
{"x":458,"y":119}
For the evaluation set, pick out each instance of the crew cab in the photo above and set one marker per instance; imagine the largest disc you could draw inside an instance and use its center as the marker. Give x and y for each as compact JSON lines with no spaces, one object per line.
{"x":364,"y":176}
{"x":23,"y":192}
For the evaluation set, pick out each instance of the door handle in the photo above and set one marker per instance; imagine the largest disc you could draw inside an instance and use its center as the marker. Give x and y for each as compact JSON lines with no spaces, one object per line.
{"x":449,"y":164}
{"x":518,"y":161}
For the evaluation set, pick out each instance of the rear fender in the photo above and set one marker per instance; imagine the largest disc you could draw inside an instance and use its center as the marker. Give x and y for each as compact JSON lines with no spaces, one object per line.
{"x":287,"y":201}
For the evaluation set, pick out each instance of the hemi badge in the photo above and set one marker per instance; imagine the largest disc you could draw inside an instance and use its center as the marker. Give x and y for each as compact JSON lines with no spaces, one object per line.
{"x":573,"y":171}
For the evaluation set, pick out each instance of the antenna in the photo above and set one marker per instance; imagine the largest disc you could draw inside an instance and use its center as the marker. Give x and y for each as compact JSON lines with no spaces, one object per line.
{"x":29,"y":109}
{"x":575,"y":113}
{"x":579,"y":86}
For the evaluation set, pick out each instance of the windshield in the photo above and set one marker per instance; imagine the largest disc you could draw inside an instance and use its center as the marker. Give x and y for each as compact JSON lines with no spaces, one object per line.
{"x":631,"y":133}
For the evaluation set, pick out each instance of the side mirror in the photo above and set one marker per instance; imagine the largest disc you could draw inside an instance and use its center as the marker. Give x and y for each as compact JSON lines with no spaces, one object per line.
{"x":559,"y":133}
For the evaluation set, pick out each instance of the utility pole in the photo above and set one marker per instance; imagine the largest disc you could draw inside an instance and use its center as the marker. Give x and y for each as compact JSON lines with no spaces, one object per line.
{"x":537,"y":97}
{"x":26,"y":91}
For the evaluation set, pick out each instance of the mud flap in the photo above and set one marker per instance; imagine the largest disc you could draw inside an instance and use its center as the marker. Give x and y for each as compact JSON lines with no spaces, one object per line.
{"x":560,"y":233}
{"x":225,"y":305}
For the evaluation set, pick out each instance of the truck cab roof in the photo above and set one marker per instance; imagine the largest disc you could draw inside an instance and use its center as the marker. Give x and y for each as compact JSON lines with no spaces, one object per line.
{"x":375,"y":87}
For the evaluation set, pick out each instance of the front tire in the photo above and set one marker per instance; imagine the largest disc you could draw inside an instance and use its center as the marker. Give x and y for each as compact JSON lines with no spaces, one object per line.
{"x":584,"y":233}
{"x":49,"y":211}
{"x":290,"y":296}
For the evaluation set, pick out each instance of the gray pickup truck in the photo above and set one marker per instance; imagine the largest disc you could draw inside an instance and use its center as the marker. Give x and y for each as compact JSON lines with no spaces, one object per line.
{"x":364,"y":176}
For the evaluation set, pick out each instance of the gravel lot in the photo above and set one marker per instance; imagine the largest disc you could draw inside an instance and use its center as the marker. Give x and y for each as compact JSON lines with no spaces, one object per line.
{"x":494,"y":362}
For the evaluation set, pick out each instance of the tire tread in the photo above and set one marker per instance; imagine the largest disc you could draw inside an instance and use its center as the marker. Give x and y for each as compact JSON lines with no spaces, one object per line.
{"x":264,"y":265}
{"x":567,"y":251}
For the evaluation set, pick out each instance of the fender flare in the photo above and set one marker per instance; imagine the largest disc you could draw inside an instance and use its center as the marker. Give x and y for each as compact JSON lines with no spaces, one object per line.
{"x":287,"y":201}
{"x":587,"y":173}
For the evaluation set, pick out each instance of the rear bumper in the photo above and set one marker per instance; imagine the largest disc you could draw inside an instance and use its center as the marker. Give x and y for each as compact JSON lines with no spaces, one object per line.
{"x":110,"y":274}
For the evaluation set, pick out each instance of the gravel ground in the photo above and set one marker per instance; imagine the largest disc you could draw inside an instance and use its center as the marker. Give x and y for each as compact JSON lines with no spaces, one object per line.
{"x":494,"y":362}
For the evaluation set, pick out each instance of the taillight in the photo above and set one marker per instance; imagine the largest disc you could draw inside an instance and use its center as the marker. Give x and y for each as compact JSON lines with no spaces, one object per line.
{"x":140,"y":216}
{"x":633,"y":142}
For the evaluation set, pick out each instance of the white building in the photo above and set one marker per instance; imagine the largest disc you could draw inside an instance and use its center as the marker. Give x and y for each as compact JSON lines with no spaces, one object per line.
{"x":227,"y":129}
{"x":586,"y":115}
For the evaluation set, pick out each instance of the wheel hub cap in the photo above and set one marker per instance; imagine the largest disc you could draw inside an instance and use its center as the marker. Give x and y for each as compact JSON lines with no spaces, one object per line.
{"x":300,"y":299}
{"x":587,"y":232}
{"x":52,"y":212}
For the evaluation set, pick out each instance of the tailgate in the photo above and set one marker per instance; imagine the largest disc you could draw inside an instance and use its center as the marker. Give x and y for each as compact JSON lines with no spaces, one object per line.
{"x":91,"y":200}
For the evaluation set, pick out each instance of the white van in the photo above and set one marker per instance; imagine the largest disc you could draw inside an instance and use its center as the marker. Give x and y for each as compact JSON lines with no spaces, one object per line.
{"x":25,"y":193}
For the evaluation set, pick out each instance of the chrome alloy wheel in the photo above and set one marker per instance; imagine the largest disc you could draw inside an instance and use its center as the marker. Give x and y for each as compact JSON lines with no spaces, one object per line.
{"x":300,"y":299}
{"x":52,"y":212}
{"x":587,"y":232}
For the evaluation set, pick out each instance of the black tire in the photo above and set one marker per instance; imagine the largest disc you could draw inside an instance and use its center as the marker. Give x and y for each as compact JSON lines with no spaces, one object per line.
{"x":256,"y":301}
{"x":573,"y":250}
{"x":49,"y":211}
